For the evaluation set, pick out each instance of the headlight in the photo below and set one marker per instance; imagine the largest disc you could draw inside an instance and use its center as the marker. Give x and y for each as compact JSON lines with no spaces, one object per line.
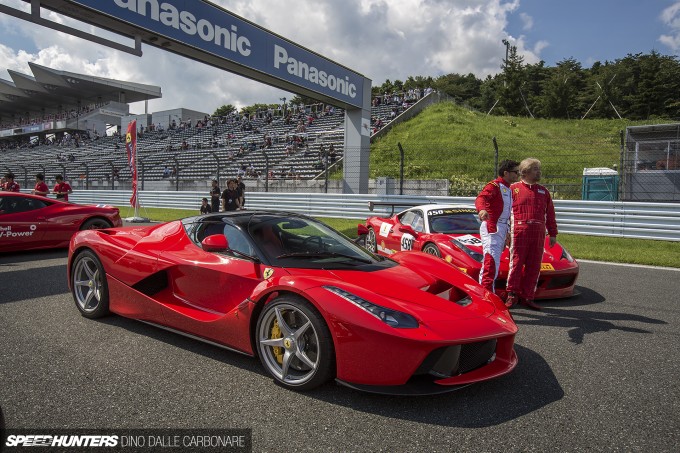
{"x":566,"y":255}
{"x":390,"y":317}
{"x":471,"y":253}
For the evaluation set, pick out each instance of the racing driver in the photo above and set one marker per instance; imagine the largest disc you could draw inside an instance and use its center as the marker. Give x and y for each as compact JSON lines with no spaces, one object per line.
{"x":494,"y":205}
{"x":532,"y":213}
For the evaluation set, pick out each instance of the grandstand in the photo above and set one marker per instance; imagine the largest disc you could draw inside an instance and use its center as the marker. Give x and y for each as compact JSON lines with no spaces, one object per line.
{"x":60,"y":133}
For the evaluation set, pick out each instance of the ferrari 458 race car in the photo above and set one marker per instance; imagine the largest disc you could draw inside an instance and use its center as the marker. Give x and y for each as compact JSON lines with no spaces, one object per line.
{"x":451,"y":232}
{"x":311,"y":304}
{"x":29,"y":222}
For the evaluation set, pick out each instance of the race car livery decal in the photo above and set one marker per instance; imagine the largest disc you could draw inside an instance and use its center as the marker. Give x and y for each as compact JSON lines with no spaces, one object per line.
{"x":547,"y":267}
{"x":381,"y":247}
{"x":468,"y":239}
{"x":385,"y":229}
{"x":407,"y":242}
{"x":6,"y":232}
{"x":437,"y":212}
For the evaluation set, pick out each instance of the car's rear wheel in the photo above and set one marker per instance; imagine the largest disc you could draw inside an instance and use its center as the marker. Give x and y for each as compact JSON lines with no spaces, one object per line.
{"x":432,"y":250}
{"x":96,"y":224}
{"x":90,"y":290}
{"x":294,"y":343}
{"x":371,"y":242}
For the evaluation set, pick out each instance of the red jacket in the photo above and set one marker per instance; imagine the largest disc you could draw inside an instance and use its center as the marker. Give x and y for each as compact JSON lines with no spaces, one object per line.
{"x":490,"y":199}
{"x":11,"y":187}
{"x":533,"y":203}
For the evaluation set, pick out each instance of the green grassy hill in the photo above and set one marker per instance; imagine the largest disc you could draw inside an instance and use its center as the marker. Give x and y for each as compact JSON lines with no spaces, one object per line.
{"x":447,"y":141}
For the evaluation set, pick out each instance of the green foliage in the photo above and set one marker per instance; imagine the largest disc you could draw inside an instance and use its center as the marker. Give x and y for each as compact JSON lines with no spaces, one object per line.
{"x":447,"y":141}
{"x":636,"y":87}
{"x":251,"y":109}
{"x":464,"y":186}
{"x":224,"y":110}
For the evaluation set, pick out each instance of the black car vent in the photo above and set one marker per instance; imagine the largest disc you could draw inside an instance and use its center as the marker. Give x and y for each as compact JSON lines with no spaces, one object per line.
{"x":454,"y":360}
{"x":152,"y":284}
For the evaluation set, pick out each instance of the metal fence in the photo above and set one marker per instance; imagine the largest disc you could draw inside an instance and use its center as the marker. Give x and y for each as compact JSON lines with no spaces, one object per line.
{"x":659,"y":221}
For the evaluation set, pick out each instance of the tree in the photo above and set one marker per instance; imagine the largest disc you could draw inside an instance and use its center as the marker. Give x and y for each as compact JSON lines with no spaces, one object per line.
{"x":463,"y":89}
{"x":560,"y":90}
{"x":513,"y":77}
{"x":225,"y":110}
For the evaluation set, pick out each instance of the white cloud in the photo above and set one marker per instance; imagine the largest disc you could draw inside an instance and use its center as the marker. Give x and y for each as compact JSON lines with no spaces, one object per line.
{"x":527,"y":21}
{"x":671,"y":18}
{"x":382,"y":39}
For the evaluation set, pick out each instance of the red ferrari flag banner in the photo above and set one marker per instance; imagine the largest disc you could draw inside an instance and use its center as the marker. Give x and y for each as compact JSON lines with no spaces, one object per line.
{"x":131,"y":149}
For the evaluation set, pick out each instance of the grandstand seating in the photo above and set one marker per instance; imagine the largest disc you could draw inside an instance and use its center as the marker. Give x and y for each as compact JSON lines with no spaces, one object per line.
{"x":104,"y":159}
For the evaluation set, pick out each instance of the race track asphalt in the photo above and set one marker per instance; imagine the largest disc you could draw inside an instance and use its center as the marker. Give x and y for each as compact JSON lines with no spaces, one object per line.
{"x":597,"y":372}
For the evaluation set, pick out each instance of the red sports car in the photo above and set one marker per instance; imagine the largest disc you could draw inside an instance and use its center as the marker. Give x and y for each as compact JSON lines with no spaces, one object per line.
{"x":451,"y":232}
{"x":310,"y":303}
{"x":29,"y":222}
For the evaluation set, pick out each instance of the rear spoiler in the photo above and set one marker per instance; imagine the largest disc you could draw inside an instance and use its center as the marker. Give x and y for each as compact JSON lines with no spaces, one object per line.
{"x":373,"y":204}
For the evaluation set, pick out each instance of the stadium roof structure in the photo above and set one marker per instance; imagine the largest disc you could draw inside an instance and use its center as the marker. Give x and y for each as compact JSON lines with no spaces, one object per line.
{"x":51,"y":90}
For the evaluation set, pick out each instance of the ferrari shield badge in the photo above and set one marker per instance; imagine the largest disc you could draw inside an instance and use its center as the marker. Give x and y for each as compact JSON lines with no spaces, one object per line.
{"x":268,"y":272}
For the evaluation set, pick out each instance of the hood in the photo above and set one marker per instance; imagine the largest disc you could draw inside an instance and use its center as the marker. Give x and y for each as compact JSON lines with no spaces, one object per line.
{"x":410,"y":287}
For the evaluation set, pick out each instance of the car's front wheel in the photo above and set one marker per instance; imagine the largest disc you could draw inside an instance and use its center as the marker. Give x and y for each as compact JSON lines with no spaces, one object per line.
{"x":371,"y":242}
{"x":90,"y":290}
{"x":294,"y":343}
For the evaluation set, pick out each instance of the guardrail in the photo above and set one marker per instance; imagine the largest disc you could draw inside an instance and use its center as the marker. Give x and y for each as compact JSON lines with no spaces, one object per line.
{"x":659,"y":221}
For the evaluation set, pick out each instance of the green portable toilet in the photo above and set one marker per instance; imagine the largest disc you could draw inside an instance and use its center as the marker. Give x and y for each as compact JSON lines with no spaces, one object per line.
{"x":600,"y":184}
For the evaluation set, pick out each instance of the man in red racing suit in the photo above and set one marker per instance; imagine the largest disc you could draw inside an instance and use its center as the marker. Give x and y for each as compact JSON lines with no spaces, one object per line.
{"x":532,"y":213}
{"x":494,"y":205}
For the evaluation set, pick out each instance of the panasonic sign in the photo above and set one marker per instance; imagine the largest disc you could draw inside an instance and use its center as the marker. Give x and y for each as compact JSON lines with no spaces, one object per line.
{"x":211,"y":29}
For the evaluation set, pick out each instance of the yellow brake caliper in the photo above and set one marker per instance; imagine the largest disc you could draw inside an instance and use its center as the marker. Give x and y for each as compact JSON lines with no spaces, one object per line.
{"x":276,"y":333}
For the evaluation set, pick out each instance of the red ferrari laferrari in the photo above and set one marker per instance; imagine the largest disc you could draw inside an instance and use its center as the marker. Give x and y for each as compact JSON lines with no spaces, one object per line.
{"x":451,"y":232}
{"x":310,"y":303}
{"x":29,"y":222}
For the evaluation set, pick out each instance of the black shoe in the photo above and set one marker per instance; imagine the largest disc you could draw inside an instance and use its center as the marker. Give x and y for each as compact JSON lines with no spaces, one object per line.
{"x":530,"y":304}
{"x":511,"y":300}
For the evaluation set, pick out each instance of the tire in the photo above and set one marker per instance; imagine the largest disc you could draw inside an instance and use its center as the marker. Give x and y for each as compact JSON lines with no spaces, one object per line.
{"x":96,"y":223}
{"x":294,"y":343}
{"x":371,"y":241}
{"x":90,"y":289}
{"x":432,"y":250}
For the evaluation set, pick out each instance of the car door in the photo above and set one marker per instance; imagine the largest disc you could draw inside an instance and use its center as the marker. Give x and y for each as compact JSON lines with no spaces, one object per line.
{"x":22,"y":226}
{"x":210,"y":290}
{"x":405,"y":241}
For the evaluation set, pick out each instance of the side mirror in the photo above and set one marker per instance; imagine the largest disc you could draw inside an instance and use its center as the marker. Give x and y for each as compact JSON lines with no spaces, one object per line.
{"x":408,"y":229}
{"x":215,"y":243}
{"x":362,"y":230}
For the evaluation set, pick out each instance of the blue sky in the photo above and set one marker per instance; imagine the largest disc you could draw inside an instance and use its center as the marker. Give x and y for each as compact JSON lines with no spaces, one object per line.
{"x":382,"y":39}
{"x":595,"y":30}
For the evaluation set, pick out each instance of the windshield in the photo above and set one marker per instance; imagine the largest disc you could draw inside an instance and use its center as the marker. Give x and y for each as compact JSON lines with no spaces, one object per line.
{"x":306,"y":243}
{"x":454,"y":221}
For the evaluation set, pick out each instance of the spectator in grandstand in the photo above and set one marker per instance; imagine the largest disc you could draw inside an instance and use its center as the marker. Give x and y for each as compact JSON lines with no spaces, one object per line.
{"x":61,"y":188}
{"x":40,"y":186}
{"x":166,"y":172}
{"x":205,"y":207}
{"x":215,"y":196}
{"x":230,"y":197}
{"x":250,"y":170}
{"x":9,"y":184}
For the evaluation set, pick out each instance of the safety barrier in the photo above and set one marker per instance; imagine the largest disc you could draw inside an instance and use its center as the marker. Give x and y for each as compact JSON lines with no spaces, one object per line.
{"x":659,"y":221}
